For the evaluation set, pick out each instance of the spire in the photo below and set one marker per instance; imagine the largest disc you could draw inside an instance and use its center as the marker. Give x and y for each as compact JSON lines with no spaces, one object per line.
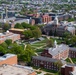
{"x":56,"y":21}
{"x":55,"y":44}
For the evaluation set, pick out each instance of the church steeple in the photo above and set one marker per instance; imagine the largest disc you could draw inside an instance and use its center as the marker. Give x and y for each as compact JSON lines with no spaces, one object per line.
{"x":55,"y":44}
{"x":56,"y":21}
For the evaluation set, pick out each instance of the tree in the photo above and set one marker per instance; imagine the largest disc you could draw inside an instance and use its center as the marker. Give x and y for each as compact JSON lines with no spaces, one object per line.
{"x":6,"y":26}
{"x":28,"y":34}
{"x":8,"y":42}
{"x":4,"y":45}
{"x":2,"y":50}
{"x":73,"y":39}
{"x":59,"y":64}
{"x":18,"y":25}
{"x":49,"y":42}
{"x":29,"y":52}
{"x":16,"y":49}
{"x":36,"y":33}
{"x":66,"y":35}
{"x":25,"y":25}
{"x":33,"y":27}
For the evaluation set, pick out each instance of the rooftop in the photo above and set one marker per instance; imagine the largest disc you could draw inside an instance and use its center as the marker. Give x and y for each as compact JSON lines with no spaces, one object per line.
{"x":72,"y":48}
{"x":15,"y":29}
{"x":60,"y":48}
{"x":6,"y":56}
{"x":15,"y":70}
{"x":43,"y":58}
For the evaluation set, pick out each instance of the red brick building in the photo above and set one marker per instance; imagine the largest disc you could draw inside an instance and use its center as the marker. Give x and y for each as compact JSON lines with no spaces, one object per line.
{"x":68,"y":69}
{"x":8,"y":59}
{"x":50,"y":56}
{"x":46,"y":18}
{"x":58,"y":52}
{"x":8,"y":66}
{"x":72,"y":52}
{"x":9,"y":35}
{"x":45,"y":62}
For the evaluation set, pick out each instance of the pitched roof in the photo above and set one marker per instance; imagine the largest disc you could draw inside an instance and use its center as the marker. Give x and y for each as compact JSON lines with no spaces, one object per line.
{"x":58,"y":49}
{"x":72,"y":48}
{"x":45,"y":58}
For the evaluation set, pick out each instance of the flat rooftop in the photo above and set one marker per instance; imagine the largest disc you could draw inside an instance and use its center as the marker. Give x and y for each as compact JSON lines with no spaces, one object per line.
{"x":15,"y":29}
{"x":6,"y":56}
{"x":15,"y":70}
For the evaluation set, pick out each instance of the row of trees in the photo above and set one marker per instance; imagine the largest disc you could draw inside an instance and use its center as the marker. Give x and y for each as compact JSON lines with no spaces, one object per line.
{"x":31,"y":32}
{"x":24,"y":54}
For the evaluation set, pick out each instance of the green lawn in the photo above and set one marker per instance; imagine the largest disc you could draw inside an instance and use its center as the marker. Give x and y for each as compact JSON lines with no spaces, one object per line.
{"x":39,"y":46}
{"x":39,"y":50}
{"x":73,"y":59}
{"x":67,"y":60}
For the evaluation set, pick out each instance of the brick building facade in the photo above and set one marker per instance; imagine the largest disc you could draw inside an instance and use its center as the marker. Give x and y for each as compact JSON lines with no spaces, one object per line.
{"x":8,"y":59}
{"x":45,"y":62}
{"x":9,"y":35}
{"x":8,"y":66}
{"x":50,"y":56}
{"x":17,"y":31}
{"x":59,"y":52}
{"x":46,"y":18}
{"x":68,"y":69}
{"x":72,"y":52}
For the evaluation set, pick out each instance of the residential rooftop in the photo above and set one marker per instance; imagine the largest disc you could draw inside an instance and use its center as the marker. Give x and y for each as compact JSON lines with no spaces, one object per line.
{"x":15,"y":70}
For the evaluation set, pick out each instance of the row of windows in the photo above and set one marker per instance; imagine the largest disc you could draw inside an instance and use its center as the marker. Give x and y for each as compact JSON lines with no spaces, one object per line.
{"x":48,"y":67}
{"x":73,"y":52}
{"x":36,"y":61}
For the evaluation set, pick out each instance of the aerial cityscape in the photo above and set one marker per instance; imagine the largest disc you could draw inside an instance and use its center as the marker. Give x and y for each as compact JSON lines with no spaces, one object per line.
{"x":37,"y":37}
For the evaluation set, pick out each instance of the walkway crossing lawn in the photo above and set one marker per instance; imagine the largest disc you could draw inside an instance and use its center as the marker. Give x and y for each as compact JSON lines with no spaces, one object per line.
{"x":39,"y":44}
{"x":39,"y":50}
{"x":73,"y":59}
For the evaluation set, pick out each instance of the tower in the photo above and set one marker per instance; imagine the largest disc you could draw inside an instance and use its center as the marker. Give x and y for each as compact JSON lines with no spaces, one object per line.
{"x":56,"y":21}
{"x":55,"y":44}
